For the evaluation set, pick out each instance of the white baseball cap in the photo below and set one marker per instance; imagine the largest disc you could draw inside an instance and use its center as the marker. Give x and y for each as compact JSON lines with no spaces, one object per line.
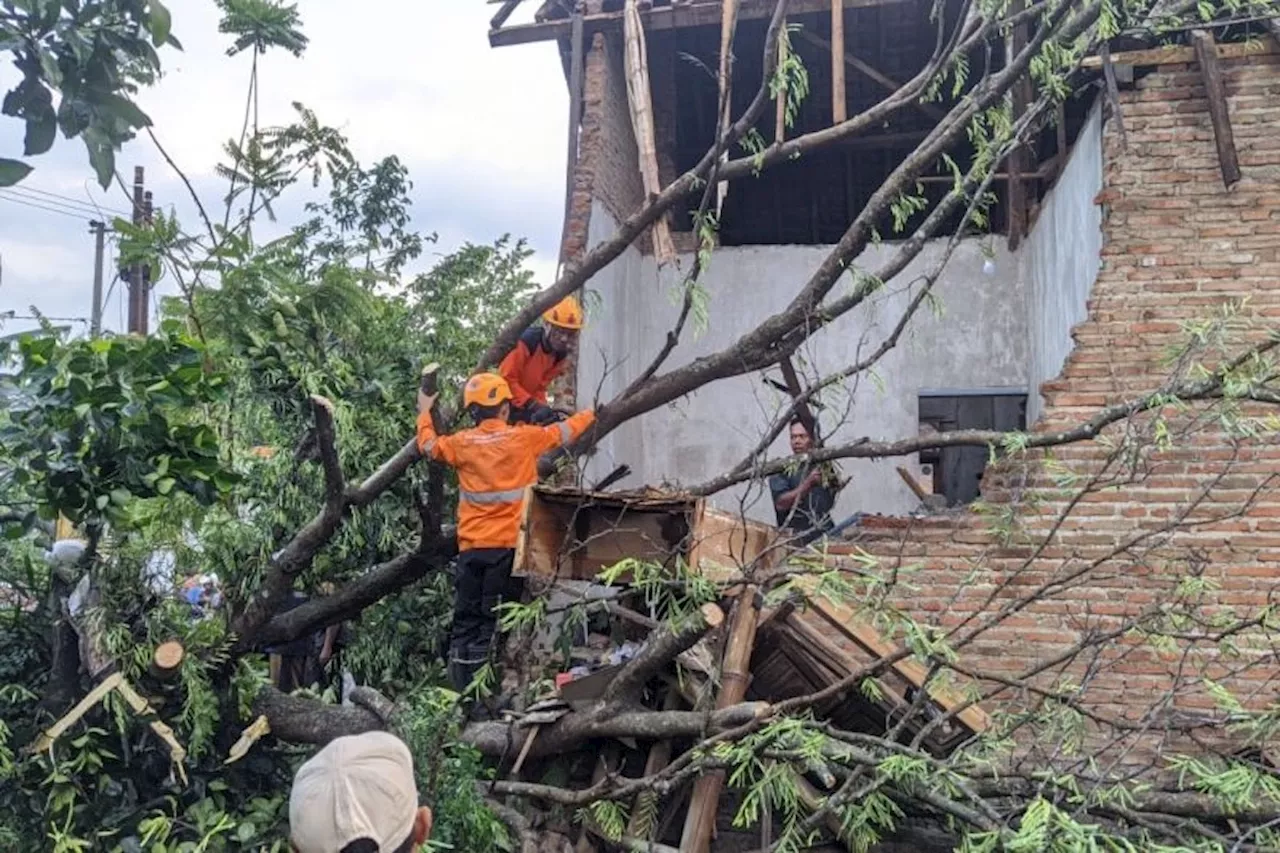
{"x":356,"y":787}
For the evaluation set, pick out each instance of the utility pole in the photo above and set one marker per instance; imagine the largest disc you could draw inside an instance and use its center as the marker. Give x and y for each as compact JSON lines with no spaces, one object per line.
{"x":98,"y":230}
{"x":137,"y":292}
{"x":144,"y":300}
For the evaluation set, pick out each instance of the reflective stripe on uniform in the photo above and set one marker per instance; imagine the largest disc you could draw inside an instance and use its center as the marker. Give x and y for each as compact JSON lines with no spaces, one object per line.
{"x":501,"y":497}
{"x":565,"y":433}
{"x":428,"y":447}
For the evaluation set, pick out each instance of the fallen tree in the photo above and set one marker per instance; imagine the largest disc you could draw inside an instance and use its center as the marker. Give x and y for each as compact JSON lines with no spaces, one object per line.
{"x":279,"y":366}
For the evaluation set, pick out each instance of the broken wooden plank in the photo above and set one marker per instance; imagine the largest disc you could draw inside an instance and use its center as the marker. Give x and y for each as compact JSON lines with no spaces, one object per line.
{"x":1173,"y":55}
{"x":69,"y":719}
{"x":1219,"y":112}
{"x":839,"y":105}
{"x":734,"y":678}
{"x":844,"y":620}
{"x":640,"y":99}
{"x":701,"y":14}
{"x":912,"y":484}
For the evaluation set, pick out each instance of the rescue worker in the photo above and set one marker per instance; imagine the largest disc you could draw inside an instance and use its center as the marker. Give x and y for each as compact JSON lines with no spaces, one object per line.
{"x":538,"y":358}
{"x":495,"y":462}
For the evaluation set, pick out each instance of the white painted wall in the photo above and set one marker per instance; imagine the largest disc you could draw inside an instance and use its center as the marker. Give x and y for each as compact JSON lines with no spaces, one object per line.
{"x":1060,"y":260}
{"x":980,"y":340}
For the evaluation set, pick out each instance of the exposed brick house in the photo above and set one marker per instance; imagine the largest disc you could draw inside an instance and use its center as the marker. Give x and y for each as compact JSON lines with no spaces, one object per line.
{"x":1129,"y":240}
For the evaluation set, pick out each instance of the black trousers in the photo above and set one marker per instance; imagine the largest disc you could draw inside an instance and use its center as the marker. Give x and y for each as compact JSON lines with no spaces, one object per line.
{"x":481,"y":580}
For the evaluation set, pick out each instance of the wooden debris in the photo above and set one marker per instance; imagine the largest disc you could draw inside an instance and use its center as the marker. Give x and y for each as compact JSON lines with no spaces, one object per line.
{"x":912,"y":484}
{"x":735,"y":675}
{"x":640,"y":100}
{"x":254,"y":732}
{"x":1219,"y":113}
{"x":142,"y":708}
{"x":69,"y":719}
{"x":844,"y":620}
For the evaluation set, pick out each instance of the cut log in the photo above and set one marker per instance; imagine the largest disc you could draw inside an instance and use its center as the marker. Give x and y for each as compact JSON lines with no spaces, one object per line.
{"x":734,"y":678}
{"x":167,"y":659}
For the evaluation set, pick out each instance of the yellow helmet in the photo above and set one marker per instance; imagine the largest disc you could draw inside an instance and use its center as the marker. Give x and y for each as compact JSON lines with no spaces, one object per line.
{"x":486,"y":389}
{"x":567,"y":314}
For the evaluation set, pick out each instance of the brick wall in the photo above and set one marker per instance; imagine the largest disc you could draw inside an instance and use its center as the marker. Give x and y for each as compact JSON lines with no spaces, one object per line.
{"x":1065,"y":572}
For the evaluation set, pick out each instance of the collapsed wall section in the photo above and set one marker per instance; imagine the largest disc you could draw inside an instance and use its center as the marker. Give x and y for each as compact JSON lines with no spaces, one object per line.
{"x":1105,"y":576}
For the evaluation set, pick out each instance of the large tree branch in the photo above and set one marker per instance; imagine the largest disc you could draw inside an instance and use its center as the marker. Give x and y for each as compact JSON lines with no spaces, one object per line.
{"x":661,"y":649}
{"x":608,"y":721}
{"x":298,"y":719}
{"x":298,"y":552}
{"x":866,"y":448}
{"x":364,"y":591}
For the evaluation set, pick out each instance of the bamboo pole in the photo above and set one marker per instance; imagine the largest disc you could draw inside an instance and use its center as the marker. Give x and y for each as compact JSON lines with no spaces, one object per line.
{"x":640,"y":99}
{"x":839,"y":108}
{"x":734,"y":677}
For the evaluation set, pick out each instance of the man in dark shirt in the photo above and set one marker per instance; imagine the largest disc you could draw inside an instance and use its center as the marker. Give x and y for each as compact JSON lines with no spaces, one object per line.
{"x":803,"y":499}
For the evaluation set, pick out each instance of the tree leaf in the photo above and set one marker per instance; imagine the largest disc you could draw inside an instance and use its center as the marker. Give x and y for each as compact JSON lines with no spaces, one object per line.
{"x":12,"y":171}
{"x":161,"y":22}
{"x":42,"y":128}
{"x":101,"y":156}
{"x":127,"y":110}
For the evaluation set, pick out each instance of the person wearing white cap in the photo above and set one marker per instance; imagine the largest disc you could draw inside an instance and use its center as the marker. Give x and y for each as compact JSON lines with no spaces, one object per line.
{"x":358,"y":795}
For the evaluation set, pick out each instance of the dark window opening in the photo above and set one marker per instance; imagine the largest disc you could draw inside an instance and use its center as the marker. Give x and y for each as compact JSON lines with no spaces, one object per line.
{"x":813,"y":199}
{"x":957,"y":471}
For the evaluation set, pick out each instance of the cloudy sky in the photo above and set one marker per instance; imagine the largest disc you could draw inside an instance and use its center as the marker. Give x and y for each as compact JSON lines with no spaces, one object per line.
{"x":481,"y":130}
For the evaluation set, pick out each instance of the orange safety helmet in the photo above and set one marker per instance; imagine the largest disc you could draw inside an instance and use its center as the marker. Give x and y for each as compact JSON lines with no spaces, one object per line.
{"x":486,"y":389}
{"x":567,"y":314}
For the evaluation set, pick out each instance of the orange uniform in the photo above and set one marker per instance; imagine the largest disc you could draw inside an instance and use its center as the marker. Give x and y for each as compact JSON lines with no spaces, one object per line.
{"x":496,"y":462}
{"x":529,"y":369}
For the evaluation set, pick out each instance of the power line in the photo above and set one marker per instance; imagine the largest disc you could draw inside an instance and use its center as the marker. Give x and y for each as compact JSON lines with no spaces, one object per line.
{"x":14,"y":195}
{"x":4,"y":196}
{"x":65,"y":200}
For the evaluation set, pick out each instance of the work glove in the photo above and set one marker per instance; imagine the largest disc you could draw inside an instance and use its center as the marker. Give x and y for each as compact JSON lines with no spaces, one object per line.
{"x":541,"y":415}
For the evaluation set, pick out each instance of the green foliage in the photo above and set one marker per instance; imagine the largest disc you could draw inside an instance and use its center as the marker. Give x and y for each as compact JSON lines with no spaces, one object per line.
{"x":79,"y":64}
{"x":448,"y":773}
{"x":261,"y":24}
{"x":93,"y":425}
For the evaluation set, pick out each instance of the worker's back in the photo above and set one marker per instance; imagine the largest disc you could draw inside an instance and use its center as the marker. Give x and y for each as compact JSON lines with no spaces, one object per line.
{"x":496,"y":462}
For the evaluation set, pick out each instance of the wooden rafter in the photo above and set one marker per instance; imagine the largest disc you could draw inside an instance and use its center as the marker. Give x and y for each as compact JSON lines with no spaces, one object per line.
{"x":1179,"y":55}
{"x":839,"y":103}
{"x":704,"y":13}
{"x":1219,"y":113}
{"x":869,"y":70}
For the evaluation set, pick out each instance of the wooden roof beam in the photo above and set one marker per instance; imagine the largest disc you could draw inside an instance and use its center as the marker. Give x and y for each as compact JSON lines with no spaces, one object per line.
{"x":705,"y":13}
{"x":1179,"y":55}
{"x":1219,"y":114}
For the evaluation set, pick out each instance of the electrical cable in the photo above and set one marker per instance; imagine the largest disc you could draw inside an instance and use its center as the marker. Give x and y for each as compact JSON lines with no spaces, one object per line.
{"x":65,"y":200}
{"x":16,"y":195}
{"x":4,"y":196}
